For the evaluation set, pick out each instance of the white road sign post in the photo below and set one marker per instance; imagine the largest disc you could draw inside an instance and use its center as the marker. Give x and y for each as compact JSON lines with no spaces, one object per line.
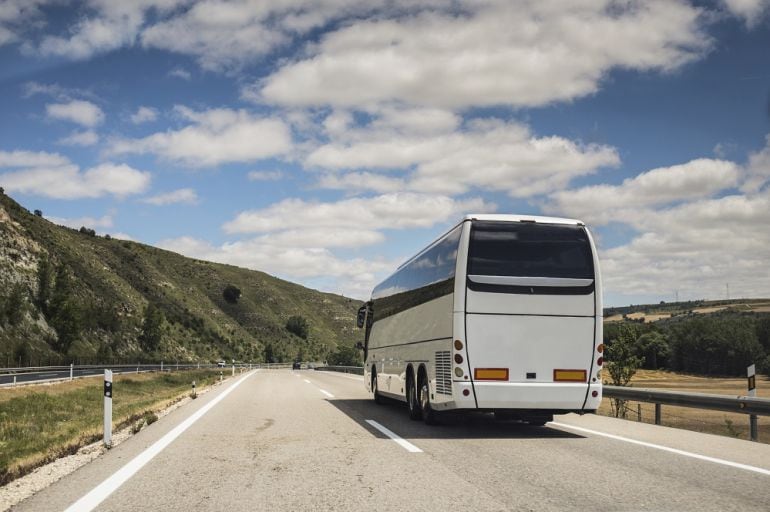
{"x":751,"y":372}
{"x":108,"y":408}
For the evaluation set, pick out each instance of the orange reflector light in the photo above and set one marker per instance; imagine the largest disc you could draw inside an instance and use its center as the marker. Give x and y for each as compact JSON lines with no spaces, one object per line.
{"x":569,"y":375}
{"x":458,"y":345}
{"x":490,"y":374}
{"x":600,"y":348}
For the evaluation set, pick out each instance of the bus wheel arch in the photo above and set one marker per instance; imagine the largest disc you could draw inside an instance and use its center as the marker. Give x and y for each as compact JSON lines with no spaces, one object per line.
{"x":378,"y":399}
{"x":429,"y":414}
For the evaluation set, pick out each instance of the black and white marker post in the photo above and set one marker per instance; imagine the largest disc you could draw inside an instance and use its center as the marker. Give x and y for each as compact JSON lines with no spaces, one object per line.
{"x":751,"y":372}
{"x":108,"y":408}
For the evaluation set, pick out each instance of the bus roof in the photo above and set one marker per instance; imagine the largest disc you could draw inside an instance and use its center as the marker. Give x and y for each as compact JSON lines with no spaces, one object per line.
{"x":520,"y":218}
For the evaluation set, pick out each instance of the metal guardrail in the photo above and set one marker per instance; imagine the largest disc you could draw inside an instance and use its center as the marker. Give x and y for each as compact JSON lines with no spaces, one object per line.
{"x":358,"y":370}
{"x":724,"y":403}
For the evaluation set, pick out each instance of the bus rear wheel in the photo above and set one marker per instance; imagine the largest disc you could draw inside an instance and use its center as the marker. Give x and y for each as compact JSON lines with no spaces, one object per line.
{"x":415,"y":412}
{"x":429,"y":415}
{"x":378,"y":399}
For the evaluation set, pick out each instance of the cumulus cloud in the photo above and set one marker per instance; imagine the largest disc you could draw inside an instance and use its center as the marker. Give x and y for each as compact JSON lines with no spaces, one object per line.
{"x":81,"y":112}
{"x":144,"y":115}
{"x":51,"y":175}
{"x":16,"y":16}
{"x":600,"y":204}
{"x":265,"y":175}
{"x":521,"y":54}
{"x":447,"y":159}
{"x":213,"y":137}
{"x":84,"y":138}
{"x":180,"y":73}
{"x":182,"y":195}
{"x":356,"y":276}
{"x":758,"y":169}
{"x":750,"y":11}
{"x":388,"y":211}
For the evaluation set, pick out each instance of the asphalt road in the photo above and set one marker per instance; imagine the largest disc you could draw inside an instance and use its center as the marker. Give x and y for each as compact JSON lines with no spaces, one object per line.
{"x":300,"y":440}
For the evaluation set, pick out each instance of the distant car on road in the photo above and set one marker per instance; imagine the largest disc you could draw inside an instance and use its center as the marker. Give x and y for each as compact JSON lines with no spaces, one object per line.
{"x":296,"y":366}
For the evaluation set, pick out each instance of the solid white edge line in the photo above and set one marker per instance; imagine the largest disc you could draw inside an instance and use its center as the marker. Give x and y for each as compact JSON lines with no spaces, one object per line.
{"x":326,"y":393}
{"x":398,"y":439}
{"x":738,"y":465}
{"x":359,"y":378}
{"x":307,"y":381}
{"x":111,"y":484}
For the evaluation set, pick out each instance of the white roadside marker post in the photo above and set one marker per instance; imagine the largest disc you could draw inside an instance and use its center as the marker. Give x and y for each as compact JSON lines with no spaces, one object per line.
{"x":233,"y":370}
{"x":161,"y":366}
{"x":193,"y":391}
{"x":72,"y":367}
{"x":108,"y":408}
{"x":751,"y":372}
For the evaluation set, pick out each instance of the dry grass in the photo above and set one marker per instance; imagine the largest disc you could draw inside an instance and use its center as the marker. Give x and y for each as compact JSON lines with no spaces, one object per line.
{"x":41,"y":423}
{"x":712,"y":422}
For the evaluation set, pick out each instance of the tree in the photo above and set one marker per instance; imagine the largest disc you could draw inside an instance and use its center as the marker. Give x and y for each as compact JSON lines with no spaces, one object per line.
{"x":63,"y":312}
{"x":231,"y":294}
{"x":653,"y":348}
{"x":152,"y":331}
{"x":622,"y":363}
{"x":104,"y":353}
{"x":297,"y":325}
{"x":345,"y":355}
{"x":38,"y":213}
{"x":14,"y":305}
{"x":87,"y":231}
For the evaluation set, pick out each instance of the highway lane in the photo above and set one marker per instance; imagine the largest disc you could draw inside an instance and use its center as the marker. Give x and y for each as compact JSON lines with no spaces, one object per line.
{"x":286,"y":440}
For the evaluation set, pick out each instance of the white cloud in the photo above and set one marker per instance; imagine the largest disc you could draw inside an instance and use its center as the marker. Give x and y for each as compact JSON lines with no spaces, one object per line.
{"x":600,"y":204}
{"x":84,"y":138}
{"x":490,"y":155}
{"x":180,"y":73}
{"x":695,"y":248}
{"x":356,"y":276}
{"x":490,"y":53}
{"x":265,"y":175}
{"x":388,"y":211}
{"x":213,"y":137}
{"x":361,"y":182}
{"x":182,"y":195}
{"x":16,"y":16}
{"x":81,"y":112}
{"x":15,"y":159}
{"x":750,"y":11}
{"x":144,"y":115}
{"x":758,"y":169}
{"x":106,"y":221}
{"x":51,"y":175}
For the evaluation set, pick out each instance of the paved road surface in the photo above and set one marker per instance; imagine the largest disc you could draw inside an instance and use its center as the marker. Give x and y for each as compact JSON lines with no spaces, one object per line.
{"x":300,"y":440}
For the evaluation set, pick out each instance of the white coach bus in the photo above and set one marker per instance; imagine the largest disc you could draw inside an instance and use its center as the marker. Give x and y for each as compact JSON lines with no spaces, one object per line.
{"x":503,"y":313}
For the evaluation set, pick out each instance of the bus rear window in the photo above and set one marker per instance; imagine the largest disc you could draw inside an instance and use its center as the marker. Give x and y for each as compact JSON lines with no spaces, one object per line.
{"x":529,"y":250}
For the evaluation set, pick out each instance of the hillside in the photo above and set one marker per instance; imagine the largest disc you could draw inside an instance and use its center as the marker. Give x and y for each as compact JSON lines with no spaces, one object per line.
{"x":70,"y":295}
{"x":665,"y":310}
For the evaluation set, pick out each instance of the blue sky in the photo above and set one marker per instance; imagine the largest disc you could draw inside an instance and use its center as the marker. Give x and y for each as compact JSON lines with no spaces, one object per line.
{"x":326,"y":141}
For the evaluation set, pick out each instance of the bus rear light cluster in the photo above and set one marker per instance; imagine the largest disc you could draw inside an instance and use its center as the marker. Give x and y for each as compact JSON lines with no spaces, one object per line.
{"x":458,"y":372}
{"x":458,"y":359}
{"x":600,"y":361}
{"x":458,"y":345}
{"x":600,"y":348}
{"x":594,"y":394}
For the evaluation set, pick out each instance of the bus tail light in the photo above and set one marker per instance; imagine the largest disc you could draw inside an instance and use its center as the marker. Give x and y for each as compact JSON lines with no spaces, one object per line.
{"x":569,"y":376}
{"x":458,"y":345}
{"x":490,"y":373}
{"x":458,"y":359}
{"x":600,"y":361}
{"x":600,"y":348}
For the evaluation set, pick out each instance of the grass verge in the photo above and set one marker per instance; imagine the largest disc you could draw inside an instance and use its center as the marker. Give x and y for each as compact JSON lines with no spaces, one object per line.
{"x":39,"y":424}
{"x":699,"y":420}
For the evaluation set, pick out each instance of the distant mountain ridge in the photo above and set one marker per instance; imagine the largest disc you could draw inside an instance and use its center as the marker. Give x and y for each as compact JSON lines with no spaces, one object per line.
{"x":71,"y":295}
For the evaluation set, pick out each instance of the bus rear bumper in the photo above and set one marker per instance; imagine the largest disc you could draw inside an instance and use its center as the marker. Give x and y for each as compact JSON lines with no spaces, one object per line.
{"x":533,"y":395}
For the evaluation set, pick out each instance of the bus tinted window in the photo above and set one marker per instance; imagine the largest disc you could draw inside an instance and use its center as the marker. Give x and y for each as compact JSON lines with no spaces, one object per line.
{"x":529,"y":250}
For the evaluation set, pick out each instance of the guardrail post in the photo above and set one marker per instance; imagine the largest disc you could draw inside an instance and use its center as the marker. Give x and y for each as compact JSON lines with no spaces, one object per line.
{"x":14,"y":381}
{"x":233,"y":370}
{"x":657,"y":414}
{"x":72,"y":367}
{"x":108,"y":408}
{"x":161,"y":366}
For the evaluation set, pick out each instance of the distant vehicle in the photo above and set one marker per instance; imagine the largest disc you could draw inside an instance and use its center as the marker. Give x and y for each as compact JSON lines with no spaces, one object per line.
{"x":221,"y":363}
{"x":296,"y":365}
{"x":503,"y":313}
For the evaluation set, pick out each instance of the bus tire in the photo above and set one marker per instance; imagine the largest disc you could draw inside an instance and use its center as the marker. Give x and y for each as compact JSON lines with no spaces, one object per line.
{"x":378,"y":398}
{"x":429,"y":415}
{"x":415,"y":412}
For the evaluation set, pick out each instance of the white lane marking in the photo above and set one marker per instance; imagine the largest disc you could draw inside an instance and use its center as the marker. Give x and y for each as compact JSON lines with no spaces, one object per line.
{"x":91,"y":500}
{"x":326,"y":393}
{"x":359,"y":378}
{"x":666,"y":449}
{"x":307,"y":381}
{"x":400,"y":440}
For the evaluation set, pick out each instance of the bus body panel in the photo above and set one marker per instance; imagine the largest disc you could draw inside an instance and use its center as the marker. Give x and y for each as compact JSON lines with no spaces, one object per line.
{"x":525,"y":304}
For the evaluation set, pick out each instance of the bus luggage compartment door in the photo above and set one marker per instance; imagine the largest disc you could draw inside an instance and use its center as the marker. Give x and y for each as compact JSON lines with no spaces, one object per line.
{"x":531,"y":348}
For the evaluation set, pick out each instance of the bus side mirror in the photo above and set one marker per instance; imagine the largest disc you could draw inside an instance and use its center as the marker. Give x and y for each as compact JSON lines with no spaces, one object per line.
{"x":360,"y":346}
{"x":361,"y":316}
